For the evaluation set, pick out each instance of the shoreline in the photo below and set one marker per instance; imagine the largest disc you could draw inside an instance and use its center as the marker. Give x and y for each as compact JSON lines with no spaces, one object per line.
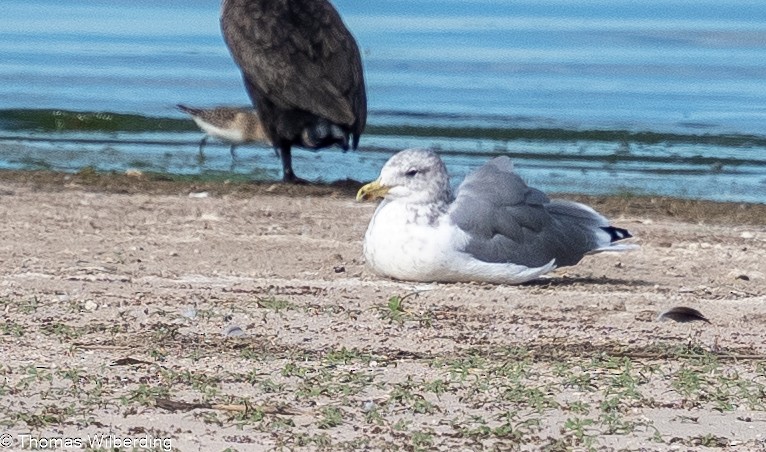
{"x":656,"y":207}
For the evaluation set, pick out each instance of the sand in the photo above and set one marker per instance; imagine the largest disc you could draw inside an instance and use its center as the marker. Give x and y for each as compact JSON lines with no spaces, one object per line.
{"x":123,"y":299}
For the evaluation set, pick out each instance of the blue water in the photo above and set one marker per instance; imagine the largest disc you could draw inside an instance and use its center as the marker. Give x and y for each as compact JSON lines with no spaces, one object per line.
{"x":667,"y":67}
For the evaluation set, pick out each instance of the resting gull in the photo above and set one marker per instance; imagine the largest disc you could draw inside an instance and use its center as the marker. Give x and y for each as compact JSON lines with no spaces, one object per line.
{"x":497,"y":229}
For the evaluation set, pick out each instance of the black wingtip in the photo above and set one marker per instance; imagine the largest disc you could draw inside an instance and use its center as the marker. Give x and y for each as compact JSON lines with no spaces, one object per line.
{"x":184,"y":108}
{"x":617,"y":234}
{"x":683,"y":314}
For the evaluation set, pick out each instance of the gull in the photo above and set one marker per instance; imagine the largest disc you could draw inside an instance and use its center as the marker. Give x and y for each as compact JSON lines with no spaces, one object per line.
{"x":230,"y":124}
{"x":496,"y":229}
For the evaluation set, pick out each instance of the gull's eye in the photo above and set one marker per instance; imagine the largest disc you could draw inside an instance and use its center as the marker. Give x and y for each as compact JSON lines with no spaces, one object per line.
{"x":411,"y":173}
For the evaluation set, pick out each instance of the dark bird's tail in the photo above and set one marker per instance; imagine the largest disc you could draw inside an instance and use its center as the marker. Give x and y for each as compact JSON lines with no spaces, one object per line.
{"x":355,"y":142}
{"x":322,"y":134}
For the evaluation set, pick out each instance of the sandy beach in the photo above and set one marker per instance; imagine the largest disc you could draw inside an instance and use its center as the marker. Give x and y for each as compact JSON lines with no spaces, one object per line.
{"x":228,"y":315}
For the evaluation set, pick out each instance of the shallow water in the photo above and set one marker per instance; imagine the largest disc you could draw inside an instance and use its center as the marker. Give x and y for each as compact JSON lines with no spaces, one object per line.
{"x":661,"y":97}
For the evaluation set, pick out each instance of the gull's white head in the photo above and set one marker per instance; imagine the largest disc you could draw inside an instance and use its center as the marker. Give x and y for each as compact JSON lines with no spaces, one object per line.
{"x":417,"y":175}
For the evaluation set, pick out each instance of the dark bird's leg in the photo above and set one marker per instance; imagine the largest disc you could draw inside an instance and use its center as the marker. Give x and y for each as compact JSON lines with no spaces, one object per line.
{"x":231,"y":151}
{"x":288,"y":175}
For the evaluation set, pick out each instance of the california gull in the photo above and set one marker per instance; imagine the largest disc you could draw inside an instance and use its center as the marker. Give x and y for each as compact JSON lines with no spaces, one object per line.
{"x":497,"y":229}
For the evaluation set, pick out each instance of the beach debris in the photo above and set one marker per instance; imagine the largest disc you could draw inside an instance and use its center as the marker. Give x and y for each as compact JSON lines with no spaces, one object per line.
{"x":129,"y":361}
{"x":683,"y":314}
{"x":189,"y":312}
{"x":200,"y":194}
{"x":368,"y":405}
{"x":234,"y":331}
{"x":177,"y":405}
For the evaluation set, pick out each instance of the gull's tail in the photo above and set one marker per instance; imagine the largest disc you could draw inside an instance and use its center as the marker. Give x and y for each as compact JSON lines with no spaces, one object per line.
{"x":593,"y":230}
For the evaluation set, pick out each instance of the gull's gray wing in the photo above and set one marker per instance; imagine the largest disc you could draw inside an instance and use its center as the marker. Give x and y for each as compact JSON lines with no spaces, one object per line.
{"x":510,"y":222}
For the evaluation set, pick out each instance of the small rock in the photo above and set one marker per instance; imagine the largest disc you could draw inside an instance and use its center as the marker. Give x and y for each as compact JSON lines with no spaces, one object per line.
{"x":90,"y":305}
{"x":134,"y":173}
{"x":339,"y":269}
{"x":368,"y":405}
{"x":189,"y":313}
{"x":201,"y":194}
{"x":234,"y":331}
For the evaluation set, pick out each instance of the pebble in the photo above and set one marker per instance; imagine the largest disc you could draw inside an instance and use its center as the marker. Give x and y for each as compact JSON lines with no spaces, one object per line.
{"x":234,"y":331}
{"x":189,"y":313}
{"x":368,"y":406}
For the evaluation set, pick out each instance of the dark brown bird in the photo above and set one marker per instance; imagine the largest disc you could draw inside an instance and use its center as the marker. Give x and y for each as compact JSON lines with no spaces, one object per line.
{"x":302,"y":70}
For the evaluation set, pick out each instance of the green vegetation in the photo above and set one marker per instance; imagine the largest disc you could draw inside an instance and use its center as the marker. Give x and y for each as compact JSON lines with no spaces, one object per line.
{"x":551,"y":395}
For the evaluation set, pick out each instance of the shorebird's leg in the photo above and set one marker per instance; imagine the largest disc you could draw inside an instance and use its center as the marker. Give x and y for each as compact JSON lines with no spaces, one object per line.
{"x":201,"y":155}
{"x":231,"y":151}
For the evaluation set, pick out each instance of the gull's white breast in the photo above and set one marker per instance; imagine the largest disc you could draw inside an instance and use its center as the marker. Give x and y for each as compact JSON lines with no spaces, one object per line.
{"x":400,"y":249}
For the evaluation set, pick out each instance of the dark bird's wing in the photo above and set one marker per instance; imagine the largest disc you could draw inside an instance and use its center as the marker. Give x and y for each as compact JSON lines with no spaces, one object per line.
{"x":298,"y":54}
{"x":507,"y":221}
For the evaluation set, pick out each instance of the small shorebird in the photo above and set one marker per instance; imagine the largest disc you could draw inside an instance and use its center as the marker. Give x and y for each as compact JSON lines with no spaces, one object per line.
{"x":302,"y":69}
{"x":230,"y":124}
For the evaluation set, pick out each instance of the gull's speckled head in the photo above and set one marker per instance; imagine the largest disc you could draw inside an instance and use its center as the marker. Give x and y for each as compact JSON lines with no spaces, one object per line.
{"x":418,"y":175}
